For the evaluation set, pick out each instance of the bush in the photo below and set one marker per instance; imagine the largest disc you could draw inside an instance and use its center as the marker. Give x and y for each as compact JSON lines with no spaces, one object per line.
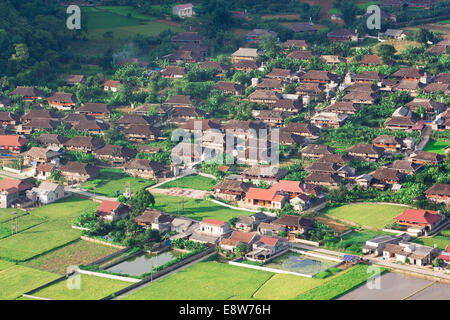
{"x":323,"y":275}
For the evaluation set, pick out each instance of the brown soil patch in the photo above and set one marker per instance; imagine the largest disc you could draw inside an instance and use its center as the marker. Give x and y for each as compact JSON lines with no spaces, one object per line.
{"x":170,"y":22}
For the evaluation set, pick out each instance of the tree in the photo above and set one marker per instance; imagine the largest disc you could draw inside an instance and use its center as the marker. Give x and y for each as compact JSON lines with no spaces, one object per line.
{"x":385,"y":51}
{"x":437,"y":262}
{"x":423,"y":35}
{"x":140,"y":201}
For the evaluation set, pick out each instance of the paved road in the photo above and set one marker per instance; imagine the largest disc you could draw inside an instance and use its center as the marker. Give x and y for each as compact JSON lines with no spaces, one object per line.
{"x":425,"y":137}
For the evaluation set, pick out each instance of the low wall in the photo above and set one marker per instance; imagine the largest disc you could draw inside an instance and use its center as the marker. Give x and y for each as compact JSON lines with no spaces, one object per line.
{"x":307,"y":253}
{"x":102,"y":242}
{"x":11,"y":170}
{"x":232,"y":207}
{"x":109,"y":276}
{"x":109,"y":257}
{"x":307,"y":242}
{"x":250,"y":266}
{"x":160,"y":273}
{"x":394,"y":231}
{"x":80,"y":228}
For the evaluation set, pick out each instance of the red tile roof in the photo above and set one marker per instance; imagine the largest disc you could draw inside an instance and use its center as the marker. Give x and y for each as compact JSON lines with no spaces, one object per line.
{"x":270,"y":241}
{"x":13,"y":185}
{"x":419,"y":216}
{"x":261,"y":194}
{"x":108,"y":206}
{"x":213,"y":221}
{"x":12,"y":140}
{"x":287,"y":186}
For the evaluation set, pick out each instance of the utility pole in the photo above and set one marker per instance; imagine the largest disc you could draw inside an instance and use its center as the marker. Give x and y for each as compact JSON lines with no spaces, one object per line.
{"x":14,"y":223}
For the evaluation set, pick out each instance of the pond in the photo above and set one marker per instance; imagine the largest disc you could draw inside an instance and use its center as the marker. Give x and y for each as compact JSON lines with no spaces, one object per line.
{"x":300,"y":263}
{"x":143,"y":263}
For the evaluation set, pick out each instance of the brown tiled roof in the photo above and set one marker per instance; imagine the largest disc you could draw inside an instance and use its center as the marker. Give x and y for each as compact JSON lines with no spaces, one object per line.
{"x":371,"y":59}
{"x":111,"y":83}
{"x":204,"y":124}
{"x":368,"y":76}
{"x":362,"y":87}
{"x":95,"y":108}
{"x":408,"y":73}
{"x":232,"y":185}
{"x":134,"y":119}
{"x":116,"y":151}
{"x":406,"y":166}
{"x":40,"y":123}
{"x":359,"y":96}
{"x":229,"y":86}
{"x":270,"y":84}
{"x":442,"y":78}
{"x":386,"y":139}
{"x":84,"y":141}
{"x":27,"y":92}
{"x":287,"y":137}
{"x":264,"y":94}
{"x":286,"y":104}
{"x":72,"y":118}
{"x":246,"y":64}
{"x":50,"y":138}
{"x":179,"y":99}
{"x":303,"y":27}
{"x":342,"y":106}
{"x":295,"y":43}
{"x":88,"y":125}
{"x":295,"y":221}
{"x":80,"y":168}
{"x":361,"y":148}
{"x":399,"y":121}
{"x":409,"y":85}
{"x":187,"y":36}
{"x":143,"y":129}
{"x":319,"y":75}
{"x":301,"y":55}
{"x":74,"y":78}
{"x":279,"y":73}
{"x":38,"y":114}
{"x":150,"y":216}
{"x":302,"y":128}
{"x":187,"y":112}
{"x":174,"y":70}
{"x":271,"y":115}
{"x":8,"y":116}
{"x":428,"y":156}
{"x":387,"y":174}
{"x":323,"y":178}
{"x":323,"y":167}
{"x":63,"y":97}
{"x":313,"y":88}
{"x":334,"y":158}
{"x":220,"y":67}
{"x":435,"y":87}
{"x":317,"y":149}
{"x":244,"y":125}
{"x":265,"y":171}
{"x":439,"y":189}
{"x":143,"y":164}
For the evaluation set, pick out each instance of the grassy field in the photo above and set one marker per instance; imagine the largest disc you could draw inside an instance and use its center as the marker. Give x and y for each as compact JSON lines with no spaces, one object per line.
{"x":400,"y":45}
{"x":437,"y":146}
{"x":370,"y":215}
{"x":193,"y":182}
{"x":441,"y":241}
{"x":16,"y":280}
{"x":352,"y":243}
{"x":198,"y":209}
{"x":205,"y":281}
{"x":111,"y":180}
{"x":79,"y":252}
{"x":91,"y":288}
{"x":346,"y":281}
{"x":56,"y":231}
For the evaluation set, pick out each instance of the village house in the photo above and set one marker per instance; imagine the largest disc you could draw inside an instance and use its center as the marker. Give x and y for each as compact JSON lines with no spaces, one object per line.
{"x":12,"y":190}
{"x":181,"y":115}
{"x":342,"y":107}
{"x":92,"y":126}
{"x":419,"y":222}
{"x":271,"y":117}
{"x":185,"y":10}
{"x":287,"y":138}
{"x":411,"y":74}
{"x":394,"y":34}
{"x":232,"y":88}
{"x":251,"y":223}
{"x":301,"y":55}
{"x":296,"y":188}
{"x":411,"y":252}
{"x":97,"y":110}
{"x":74,"y":79}
{"x":439,"y":193}
{"x":432,"y":108}
{"x":111,"y":85}
{"x":269,"y":229}
{"x":256,"y":35}
{"x":28,"y":93}
{"x":303,"y":129}
{"x":406,"y":166}
{"x":342,"y":35}
{"x":211,"y":231}
{"x":284,"y":75}
{"x":52,"y":140}
{"x":303,"y":27}
{"x":294,"y":224}
{"x":287,"y":105}
{"x":245,"y":54}
{"x":386,"y":177}
{"x":129,"y":120}
{"x":376,"y":245}
{"x":114,"y":154}
{"x":266,"y":174}
{"x":371,"y":59}
{"x":334,"y":158}
{"x":329,"y":119}
{"x":437,"y":87}
{"x":112,"y":211}
{"x":309,"y":89}
{"x":8,"y":119}
{"x":155,"y":220}
{"x":5,"y":102}
{"x":425,"y":157}
{"x":221,"y":68}
{"x":368,"y":152}
{"x":410,"y":86}
{"x":35,"y":114}
{"x":84,"y":144}
{"x":331,"y":59}
{"x":174,"y":72}
{"x":12,"y":143}
{"x":360,"y":97}
{"x":44,"y":171}
{"x":46,"y":192}
{"x":231,"y":190}
{"x":324,"y":179}
{"x":187,"y":37}
{"x":275,"y":85}
{"x":73,"y":118}
{"x":188,"y":53}
{"x":267,"y":247}
{"x":265,"y":198}
{"x":295,"y":44}
{"x":319,"y":76}
{"x":400,"y":123}
{"x":316,"y":151}
{"x":145,"y":169}
{"x":142,"y":133}
{"x":264,"y":97}
{"x":238,"y":238}
{"x":37,"y":155}
{"x":179,"y":101}
{"x":37,"y":125}
{"x":388,"y":143}
{"x":78,"y":172}
{"x":368,"y":77}
{"x":246,"y":65}
{"x":62,"y":100}
{"x":333,"y":168}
